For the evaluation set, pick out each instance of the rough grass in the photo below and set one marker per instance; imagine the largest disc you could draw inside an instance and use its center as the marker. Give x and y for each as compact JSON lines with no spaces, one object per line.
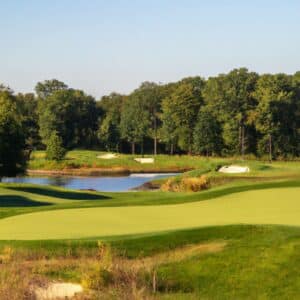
{"x":257,"y":262}
{"x":262,"y":265}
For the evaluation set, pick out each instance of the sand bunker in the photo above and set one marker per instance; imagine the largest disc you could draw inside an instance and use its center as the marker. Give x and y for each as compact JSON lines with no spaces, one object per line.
{"x":234,"y":169}
{"x":107,"y":156}
{"x":148,"y":160}
{"x":58,"y":290}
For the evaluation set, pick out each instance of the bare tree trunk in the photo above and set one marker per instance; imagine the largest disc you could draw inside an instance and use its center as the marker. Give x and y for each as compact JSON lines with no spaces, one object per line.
{"x":240,"y":139}
{"x":172,"y":149}
{"x":190,"y":145}
{"x":132,"y":148}
{"x":154,"y":279}
{"x":243,"y":142}
{"x":270,"y":147}
{"x":142,"y":147}
{"x":155,"y":136}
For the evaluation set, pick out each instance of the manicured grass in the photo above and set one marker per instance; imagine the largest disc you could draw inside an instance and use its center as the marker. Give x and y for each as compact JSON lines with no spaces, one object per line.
{"x":88,"y":159}
{"x":269,"y":206}
{"x":18,"y":199}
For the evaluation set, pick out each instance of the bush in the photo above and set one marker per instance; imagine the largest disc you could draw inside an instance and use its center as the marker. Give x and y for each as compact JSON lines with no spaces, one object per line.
{"x":112,"y":274}
{"x":186,"y":184}
{"x":194,"y":184}
{"x":102,"y":275}
{"x":55,"y":149}
{"x":170,"y":185}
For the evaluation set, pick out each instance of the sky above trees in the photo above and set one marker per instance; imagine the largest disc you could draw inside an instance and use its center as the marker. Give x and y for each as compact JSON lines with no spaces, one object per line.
{"x":105,"y":46}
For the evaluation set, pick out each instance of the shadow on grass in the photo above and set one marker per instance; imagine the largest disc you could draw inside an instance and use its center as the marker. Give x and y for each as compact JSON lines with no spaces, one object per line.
{"x":71,"y":195}
{"x":250,"y":187}
{"x":19,"y":201}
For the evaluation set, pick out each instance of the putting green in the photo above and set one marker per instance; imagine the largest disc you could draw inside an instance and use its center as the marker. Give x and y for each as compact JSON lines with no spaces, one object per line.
{"x":272,"y":206}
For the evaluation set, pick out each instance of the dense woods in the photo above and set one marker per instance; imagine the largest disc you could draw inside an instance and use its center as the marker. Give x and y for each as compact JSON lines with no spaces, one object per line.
{"x":239,"y":113}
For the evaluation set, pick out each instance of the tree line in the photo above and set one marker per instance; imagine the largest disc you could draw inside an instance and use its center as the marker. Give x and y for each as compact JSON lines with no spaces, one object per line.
{"x":238,"y":113}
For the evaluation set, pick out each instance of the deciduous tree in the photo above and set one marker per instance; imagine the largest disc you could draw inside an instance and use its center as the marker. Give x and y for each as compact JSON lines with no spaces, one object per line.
{"x":12,"y":142}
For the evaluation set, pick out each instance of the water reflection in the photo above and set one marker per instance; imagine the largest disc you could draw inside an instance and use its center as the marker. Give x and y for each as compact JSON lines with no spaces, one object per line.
{"x":107,"y":184}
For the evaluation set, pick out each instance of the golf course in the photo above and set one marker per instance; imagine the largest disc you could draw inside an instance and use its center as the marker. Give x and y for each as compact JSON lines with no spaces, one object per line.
{"x":219,"y":243}
{"x":150,"y":150}
{"x":270,"y":206}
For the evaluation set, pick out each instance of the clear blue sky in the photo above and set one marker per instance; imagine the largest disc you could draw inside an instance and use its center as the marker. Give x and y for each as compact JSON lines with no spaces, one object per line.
{"x":113,"y":45}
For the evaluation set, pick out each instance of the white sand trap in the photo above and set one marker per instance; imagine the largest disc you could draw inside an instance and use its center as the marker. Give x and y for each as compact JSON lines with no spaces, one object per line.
{"x":149,"y":160}
{"x":58,"y":291}
{"x":151,"y":175}
{"x":107,"y":156}
{"x":234,"y":169}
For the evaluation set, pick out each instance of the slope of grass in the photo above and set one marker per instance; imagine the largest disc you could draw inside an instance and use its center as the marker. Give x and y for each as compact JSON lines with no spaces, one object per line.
{"x":40,"y":200}
{"x":268,"y":206}
{"x":261,"y":264}
{"x":258,"y":262}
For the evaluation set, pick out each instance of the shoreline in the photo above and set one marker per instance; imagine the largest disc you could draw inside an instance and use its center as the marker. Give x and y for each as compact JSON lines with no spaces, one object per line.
{"x":147,"y":186}
{"x":90,"y":172}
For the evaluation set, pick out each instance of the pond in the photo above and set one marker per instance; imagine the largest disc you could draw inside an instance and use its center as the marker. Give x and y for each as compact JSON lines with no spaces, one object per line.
{"x":105,"y":184}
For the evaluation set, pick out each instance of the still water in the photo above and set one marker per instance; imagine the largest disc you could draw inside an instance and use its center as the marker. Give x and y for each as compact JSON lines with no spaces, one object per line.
{"x":106,"y":184}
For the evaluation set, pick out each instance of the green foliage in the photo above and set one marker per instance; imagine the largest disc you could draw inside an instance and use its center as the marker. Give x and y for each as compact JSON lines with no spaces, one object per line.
{"x":27,"y":105}
{"x":72,"y":114}
{"x":109,"y":128}
{"x":180,"y":111}
{"x":55,"y":149}
{"x":48,"y":87}
{"x":230,"y":97}
{"x":251,"y":114}
{"x":134,"y":120}
{"x":207,"y":134}
{"x":151,"y":94}
{"x":12,"y":143}
{"x":276,"y":115}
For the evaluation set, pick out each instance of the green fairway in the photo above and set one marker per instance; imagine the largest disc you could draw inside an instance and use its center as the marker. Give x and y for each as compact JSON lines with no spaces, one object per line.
{"x":277,"y":206}
{"x":87,"y":160}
